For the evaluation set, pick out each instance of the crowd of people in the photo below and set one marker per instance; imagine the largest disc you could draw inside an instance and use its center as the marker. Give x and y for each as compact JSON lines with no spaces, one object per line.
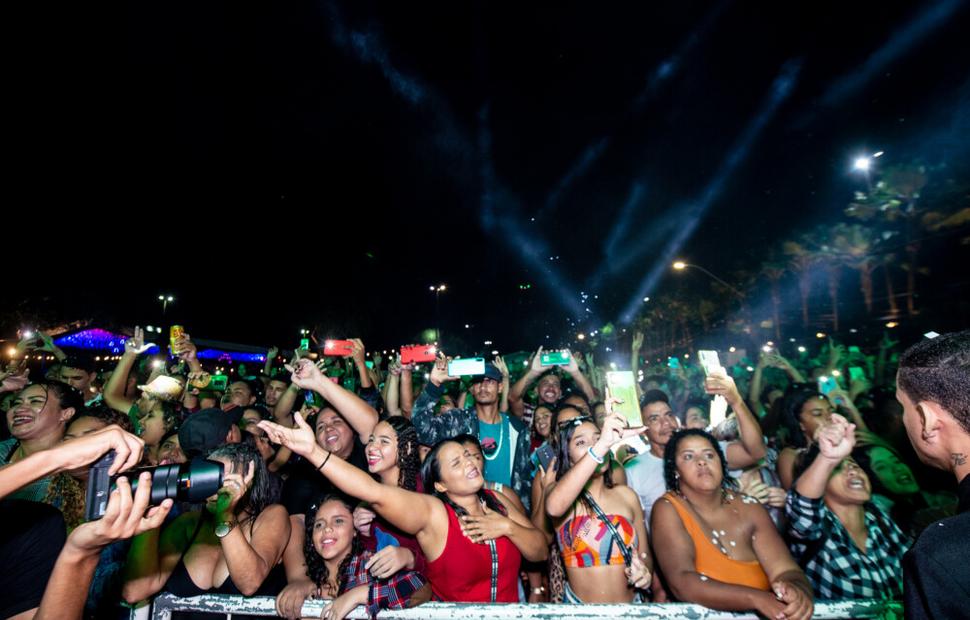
{"x":370,"y":482}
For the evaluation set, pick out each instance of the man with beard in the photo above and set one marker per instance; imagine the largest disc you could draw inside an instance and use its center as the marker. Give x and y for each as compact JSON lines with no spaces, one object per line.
{"x":505,"y":439}
{"x":549,"y":388}
{"x":933,"y":385}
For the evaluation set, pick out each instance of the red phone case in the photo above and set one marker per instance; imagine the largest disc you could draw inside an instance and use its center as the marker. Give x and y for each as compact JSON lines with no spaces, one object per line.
{"x":340,"y":348}
{"x":418,"y":353}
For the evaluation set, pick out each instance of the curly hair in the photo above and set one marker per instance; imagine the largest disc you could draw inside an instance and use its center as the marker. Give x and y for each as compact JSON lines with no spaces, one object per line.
{"x":316,"y":568}
{"x":938,"y":370}
{"x":431,"y":474}
{"x":408,"y":453}
{"x":671,"y":477}
{"x":261,"y":491}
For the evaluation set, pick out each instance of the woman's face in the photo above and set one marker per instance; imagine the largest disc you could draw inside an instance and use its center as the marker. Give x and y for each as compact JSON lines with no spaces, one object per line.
{"x":35,"y":413}
{"x":542,"y":420}
{"x":696,"y":417}
{"x":236,"y":481}
{"x":153,"y":424}
{"x":815,"y":412}
{"x":263,"y":445}
{"x":459,"y":472}
{"x":381,"y":449}
{"x":894,"y":474}
{"x":582,"y":440}
{"x":698,"y":465}
{"x":171,"y":451}
{"x":848,"y":484}
{"x":250,"y":418}
{"x":333,"y":530}
{"x":334,"y":434}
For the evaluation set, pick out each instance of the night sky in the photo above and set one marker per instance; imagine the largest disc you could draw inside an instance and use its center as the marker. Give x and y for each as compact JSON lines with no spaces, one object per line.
{"x":286,"y":164}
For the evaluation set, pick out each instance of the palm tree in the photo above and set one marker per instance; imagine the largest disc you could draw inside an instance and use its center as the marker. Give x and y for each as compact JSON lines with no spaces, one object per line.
{"x":773,"y":271}
{"x":854,"y":244}
{"x":801,"y":259}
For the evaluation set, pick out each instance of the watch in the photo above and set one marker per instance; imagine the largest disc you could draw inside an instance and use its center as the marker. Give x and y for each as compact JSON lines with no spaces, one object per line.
{"x":223,"y":528}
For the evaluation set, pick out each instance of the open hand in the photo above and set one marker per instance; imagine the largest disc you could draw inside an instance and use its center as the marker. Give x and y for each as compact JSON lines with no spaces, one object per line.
{"x":136,"y":344}
{"x":300,"y":440}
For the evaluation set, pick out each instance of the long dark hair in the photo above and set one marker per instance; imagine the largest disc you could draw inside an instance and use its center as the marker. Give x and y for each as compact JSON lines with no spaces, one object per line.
{"x":563,"y":464}
{"x":791,"y":410}
{"x":408,"y":452}
{"x":670,"y":459}
{"x":261,"y":492}
{"x":68,"y":396}
{"x":316,"y":568}
{"x":431,"y":474}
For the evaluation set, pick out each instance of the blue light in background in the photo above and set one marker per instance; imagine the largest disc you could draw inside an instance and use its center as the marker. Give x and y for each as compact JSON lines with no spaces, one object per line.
{"x":104,"y":341}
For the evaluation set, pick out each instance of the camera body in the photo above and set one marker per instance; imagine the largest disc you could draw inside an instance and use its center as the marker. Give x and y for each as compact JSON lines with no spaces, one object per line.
{"x":193,"y":482}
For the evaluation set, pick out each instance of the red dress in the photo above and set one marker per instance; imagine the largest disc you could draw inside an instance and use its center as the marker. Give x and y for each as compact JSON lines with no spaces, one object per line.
{"x":463,"y":571}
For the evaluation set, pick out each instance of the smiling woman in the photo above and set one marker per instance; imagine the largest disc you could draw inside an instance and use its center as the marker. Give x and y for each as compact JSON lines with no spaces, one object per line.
{"x":37,"y":419}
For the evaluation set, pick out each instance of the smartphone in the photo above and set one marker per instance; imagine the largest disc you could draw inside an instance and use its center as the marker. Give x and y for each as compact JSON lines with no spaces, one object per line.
{"x":466,"y":366}
{"x":305,"y":343}
{"x":369,"y":364}
{"x":310,"y":398}
{"x":854,"y":349}
{"x":710,"y":361}
{"x":418,"y":353}
{"x":218,"y":382}
{"x":673,"y":362}
{"x":555,"y":358}
{"x":856,"y":373}
{"x":545,"y":454}
{"x":622,"y":384}
{"x":338,"y":348}
{"x":827,"y":384}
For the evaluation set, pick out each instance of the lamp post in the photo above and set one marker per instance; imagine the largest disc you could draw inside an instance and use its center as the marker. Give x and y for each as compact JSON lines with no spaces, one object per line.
{"x":437,"y":290}
{"x":681,"y":266}
{"x":165,"y":299}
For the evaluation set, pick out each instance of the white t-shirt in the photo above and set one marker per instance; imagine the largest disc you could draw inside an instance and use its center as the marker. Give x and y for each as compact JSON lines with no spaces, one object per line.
{"x":645,"y":475}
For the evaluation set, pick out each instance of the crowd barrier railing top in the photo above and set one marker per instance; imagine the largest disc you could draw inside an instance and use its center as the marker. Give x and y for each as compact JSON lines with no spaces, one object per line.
{"x":165,"y":604}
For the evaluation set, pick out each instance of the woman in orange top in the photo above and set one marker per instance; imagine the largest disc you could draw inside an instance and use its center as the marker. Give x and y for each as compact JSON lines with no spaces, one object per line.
{"x":716,"y":547}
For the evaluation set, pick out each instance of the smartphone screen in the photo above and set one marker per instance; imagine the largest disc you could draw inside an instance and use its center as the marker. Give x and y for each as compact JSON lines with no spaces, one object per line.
{"x":856,"y":373}
{"x":673,"y":362}
{"x":710,"y":361}
{"x":545,"y":454}
{"x":466,"y":366}
{"x":827,"y":384}
{"x":305,"y":343}
{"x":554,"y":358}
{"x":622,"y":384}
{"x":369,"y":364}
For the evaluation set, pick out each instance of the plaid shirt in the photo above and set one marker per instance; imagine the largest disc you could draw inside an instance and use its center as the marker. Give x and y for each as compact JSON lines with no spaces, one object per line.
{"x":391,"y":593}
{"x":839,"y":570}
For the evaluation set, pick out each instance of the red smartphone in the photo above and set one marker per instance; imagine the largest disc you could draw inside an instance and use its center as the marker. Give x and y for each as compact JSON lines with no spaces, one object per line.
{"x":418,"y":353}
{"x":338,"y":348}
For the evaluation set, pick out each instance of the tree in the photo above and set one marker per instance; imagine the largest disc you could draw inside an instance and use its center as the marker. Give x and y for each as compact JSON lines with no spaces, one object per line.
{"x":855,"y":246}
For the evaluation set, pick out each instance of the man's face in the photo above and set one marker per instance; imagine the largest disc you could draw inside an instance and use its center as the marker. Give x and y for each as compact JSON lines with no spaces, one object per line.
{"x":274,"y":390}
{"x":77,"y":378}
{"x":238,"y":394}
{"x":660,"y":422}
{"x":549,"y":389}
{"x":486,"y":391}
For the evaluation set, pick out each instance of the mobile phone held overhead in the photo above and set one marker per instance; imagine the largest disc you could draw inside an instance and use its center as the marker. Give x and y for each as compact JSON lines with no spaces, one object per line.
{"x":418,"y":353}
{"x":338,"y":348}
{"x":466,"y":366}
{"x":555,"y":358}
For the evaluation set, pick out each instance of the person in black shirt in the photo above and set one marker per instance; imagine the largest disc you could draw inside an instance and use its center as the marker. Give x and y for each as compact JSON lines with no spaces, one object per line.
{"x":933,"y":385}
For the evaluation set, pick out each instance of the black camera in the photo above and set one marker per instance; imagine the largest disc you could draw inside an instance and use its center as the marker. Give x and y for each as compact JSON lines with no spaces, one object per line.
{"x":192,"y":482}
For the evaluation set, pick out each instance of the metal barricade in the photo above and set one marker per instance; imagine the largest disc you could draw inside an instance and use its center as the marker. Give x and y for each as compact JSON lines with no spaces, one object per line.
{"x":165,"y":604}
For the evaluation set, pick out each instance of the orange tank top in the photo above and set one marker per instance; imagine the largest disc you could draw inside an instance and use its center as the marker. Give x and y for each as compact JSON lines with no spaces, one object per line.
{"x":710,"y":561}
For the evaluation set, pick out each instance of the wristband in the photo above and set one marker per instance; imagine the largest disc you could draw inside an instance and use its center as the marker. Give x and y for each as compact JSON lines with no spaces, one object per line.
{"x":592,"y":455}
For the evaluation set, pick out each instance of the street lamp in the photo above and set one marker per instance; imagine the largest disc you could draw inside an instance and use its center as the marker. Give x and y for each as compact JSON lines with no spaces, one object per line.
{"x":681,"y":266}
{"x":165,"y":299}
{"x":437,"y":290}
{"x":863,"y":164}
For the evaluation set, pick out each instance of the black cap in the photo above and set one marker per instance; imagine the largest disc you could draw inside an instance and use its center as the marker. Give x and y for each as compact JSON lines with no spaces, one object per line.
{"x":207,"y":429}
{"x":491,"y":372}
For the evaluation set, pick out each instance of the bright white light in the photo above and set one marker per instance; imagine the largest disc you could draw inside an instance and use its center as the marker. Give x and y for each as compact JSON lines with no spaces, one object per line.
{"x":494,"y":352}
{"x":801,"y":349}
{"x":488,"y":343}
{"x":820,"y":334}
{"x":766,"y":349}
{"x":645,"y":300}
{"x":613,"y":365}
{"x":836,"y":373}
{"x":678,"y":265}
{"x":12,"y":351}
{"x":581,"y":337}
{"x":750,"y":369}
{"x":862,"y":164}
{"x":28,"y":333}
{"x":877,"y":154}
{"x":467,"y":326}
{"x":157,"y":364}
{"x":149,"y":329}
{"x":732,"y":349}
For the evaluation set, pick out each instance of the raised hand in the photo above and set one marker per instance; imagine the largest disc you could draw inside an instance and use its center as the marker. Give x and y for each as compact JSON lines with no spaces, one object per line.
{"x":358,"y":353}
{"x":300,"y":439}
{"x":836,"y":438}
{"x":185,"y":349}
{"x":439,"y":372}
{"x":573,"y":365}
{"x":305,"y":374}
{"x":723,"y":384}
{"x":500,"y":364}
{"x":637,"y":340}
{"x":535,"y":365}
{"x":136,"y":344}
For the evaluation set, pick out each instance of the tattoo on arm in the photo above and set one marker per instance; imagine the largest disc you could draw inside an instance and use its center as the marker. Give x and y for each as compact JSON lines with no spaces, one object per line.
{"x":958,"y":458}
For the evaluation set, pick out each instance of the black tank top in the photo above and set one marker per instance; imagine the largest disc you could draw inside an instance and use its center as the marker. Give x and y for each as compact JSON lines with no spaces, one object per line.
{"x":180,"y":583}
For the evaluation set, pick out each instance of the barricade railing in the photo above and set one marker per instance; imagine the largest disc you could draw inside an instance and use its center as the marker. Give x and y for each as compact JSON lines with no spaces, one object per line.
{"x":228,"y":606}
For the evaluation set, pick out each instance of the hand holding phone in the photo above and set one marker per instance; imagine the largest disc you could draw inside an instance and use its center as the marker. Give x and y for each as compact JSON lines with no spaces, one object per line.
{"x":555,"y":358}
{"x":418,"y":354}
{"x":466,"y":366}
{"x":621,"y":385}
{"x":338,"y":348}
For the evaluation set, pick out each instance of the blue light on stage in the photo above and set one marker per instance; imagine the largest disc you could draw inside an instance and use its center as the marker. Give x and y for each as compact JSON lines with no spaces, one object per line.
{"x":104,"y":341}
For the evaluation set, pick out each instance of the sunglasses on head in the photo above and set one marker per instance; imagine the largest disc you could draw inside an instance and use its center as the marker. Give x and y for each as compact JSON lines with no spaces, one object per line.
{"x":574,"y":421}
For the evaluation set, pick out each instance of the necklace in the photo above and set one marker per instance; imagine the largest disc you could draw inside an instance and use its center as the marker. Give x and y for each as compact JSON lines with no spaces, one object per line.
{"x":501,"y":438}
